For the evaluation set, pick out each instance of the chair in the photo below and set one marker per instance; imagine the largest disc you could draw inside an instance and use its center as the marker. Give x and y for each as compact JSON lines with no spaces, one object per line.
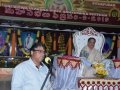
{"x":80,"y":39}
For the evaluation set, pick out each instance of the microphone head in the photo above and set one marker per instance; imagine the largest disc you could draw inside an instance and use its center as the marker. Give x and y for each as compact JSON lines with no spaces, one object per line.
{"x":47,"y":60}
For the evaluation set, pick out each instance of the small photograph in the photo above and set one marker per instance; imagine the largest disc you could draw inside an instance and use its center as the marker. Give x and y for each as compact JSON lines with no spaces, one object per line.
{"x":25,"y":41}
{"x":28,"y":39}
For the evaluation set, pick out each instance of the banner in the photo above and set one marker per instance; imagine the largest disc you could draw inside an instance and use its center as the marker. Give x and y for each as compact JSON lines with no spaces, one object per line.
{"x":98,"y":16}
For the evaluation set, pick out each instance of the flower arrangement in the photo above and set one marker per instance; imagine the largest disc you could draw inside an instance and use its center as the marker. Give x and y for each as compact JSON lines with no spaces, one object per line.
{"x":101,"y":72}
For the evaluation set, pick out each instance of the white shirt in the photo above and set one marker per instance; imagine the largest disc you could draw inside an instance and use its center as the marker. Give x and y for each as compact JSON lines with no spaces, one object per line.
{"x":27,"y":77}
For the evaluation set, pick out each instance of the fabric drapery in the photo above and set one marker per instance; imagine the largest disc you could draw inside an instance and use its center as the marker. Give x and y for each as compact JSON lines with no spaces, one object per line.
{"x":67,"y":69}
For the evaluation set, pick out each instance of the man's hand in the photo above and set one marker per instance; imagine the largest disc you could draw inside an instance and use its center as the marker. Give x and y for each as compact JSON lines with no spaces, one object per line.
{"x":92,"y":65}
{"x":85,"y":61}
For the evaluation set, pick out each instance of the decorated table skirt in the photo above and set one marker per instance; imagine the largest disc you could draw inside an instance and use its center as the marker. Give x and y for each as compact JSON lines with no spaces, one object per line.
{"x":98,"y":84}
{"x":67,"y":68}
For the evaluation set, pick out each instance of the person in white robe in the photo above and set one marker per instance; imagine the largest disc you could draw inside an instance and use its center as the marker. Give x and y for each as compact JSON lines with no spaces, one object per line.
{"x":91,"y":56}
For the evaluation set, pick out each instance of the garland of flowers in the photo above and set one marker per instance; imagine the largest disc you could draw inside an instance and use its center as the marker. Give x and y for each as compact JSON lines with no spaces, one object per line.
{"x":20,"y":42}
{"x":61,"y":43}
{"x":111,"y":49}
{"x":48,"y":42}
{"x":6,"y":41}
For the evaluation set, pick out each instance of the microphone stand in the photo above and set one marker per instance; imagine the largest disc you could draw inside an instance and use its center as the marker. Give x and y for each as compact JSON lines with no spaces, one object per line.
{"x":49,"y":72}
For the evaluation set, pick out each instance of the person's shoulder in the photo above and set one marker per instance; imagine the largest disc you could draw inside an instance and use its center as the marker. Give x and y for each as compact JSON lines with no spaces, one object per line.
{"x":21,"y":65}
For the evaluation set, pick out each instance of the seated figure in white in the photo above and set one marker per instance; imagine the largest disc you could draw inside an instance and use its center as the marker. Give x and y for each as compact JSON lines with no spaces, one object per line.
{"x":88,"y":46}
{"x":91,"y":55}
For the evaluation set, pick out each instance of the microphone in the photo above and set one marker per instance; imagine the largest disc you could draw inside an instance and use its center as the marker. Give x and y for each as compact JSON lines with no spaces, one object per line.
{"x":47,"y":60}
{"x":49,"y":63}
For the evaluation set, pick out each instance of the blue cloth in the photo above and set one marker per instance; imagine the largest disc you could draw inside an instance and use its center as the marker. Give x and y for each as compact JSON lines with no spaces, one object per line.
{"x":109,"y":66}
{"x":26,"y":76}
{"x":65,"y":78}
{"x":116,"y":73}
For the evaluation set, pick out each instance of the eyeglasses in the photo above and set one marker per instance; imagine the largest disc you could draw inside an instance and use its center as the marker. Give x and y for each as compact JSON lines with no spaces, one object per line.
{"x":40,"y":51}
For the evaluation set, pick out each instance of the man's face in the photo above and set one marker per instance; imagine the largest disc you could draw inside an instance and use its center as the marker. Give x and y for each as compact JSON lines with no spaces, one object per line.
{"x":38,"y":54}
{"x":91,"y":43}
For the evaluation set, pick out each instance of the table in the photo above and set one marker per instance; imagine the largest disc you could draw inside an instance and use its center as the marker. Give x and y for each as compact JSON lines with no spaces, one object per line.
{"x":98,"y":84}
{"x":68,"y":61}
{"x":66,"y":73}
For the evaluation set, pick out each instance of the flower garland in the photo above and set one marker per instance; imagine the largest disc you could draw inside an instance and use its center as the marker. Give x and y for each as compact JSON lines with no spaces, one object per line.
{"x":101,"y":72}
{"x":106,"y":54}
{"x":48,"y":42}
{"x":61,"y":43}
{"x":6,"y":41}
{"x":20,"y":42}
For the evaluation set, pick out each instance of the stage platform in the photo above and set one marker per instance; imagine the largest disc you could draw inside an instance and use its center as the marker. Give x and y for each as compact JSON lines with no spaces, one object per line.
{"x":5,"y":78}
{"x":5,"y":82}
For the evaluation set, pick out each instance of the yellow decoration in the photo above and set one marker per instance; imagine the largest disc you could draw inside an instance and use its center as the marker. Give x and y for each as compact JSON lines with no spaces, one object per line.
{"x":98,"y":65}
{"x":61,"y":43}
{"x":101,"y":72}
{"x":48,"y":42}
